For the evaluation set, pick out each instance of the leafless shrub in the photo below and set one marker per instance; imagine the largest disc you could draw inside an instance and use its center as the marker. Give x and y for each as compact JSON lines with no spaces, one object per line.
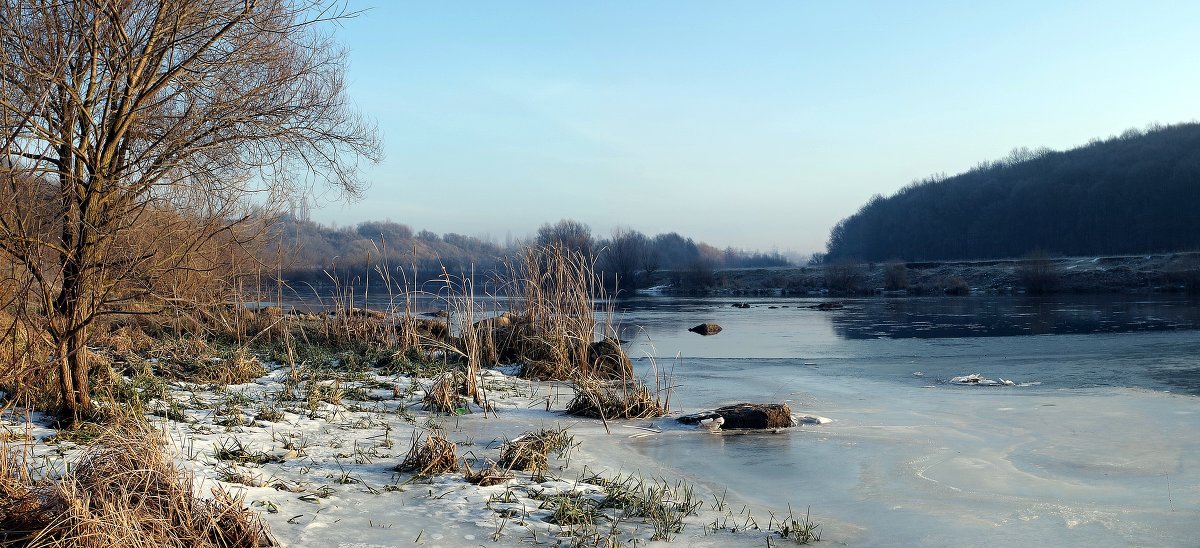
{"x":23,"y":354}
{"x":955,"y":286}
{"x":895,"y":276}
{"x":845,"y":276}
{"x":1037,"y":273}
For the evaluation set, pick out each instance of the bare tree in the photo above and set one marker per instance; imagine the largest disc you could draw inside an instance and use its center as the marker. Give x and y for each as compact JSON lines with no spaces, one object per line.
{"x":569,"y":233}
{"x":624,"y":256}
{"x":132,"y":119}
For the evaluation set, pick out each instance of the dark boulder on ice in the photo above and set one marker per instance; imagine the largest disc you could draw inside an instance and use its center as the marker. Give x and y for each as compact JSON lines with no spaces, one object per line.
{"x":706,"y":329}
{"x":746,"y":416}
{"x":609,"y":360}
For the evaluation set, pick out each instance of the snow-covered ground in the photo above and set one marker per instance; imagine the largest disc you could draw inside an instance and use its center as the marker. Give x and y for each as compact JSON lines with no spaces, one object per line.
{"x":324,"y":474}
{"x":928,"y":464}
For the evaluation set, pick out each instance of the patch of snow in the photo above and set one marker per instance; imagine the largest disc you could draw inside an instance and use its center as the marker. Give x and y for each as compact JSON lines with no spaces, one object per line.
{"x":975,"y":379}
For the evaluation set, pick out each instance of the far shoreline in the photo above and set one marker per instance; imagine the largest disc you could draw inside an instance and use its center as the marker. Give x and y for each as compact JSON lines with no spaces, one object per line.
{"x":1177,"y":273}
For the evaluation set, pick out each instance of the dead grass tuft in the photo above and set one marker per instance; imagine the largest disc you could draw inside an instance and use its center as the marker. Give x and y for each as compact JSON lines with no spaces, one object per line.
{"x":554,"y":323}
{"x":614,"y":400}
{"x":125,"y":491}
{"x":443,"y":395}
{"x":487,"y":476}
{"x":430,"y":456}
{"x":529,"y":451}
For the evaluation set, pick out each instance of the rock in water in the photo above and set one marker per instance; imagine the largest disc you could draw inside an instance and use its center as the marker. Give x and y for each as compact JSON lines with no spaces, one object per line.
{"x":706,"y":329}
{"x":745,"y":416}
{"x":609,"y":360}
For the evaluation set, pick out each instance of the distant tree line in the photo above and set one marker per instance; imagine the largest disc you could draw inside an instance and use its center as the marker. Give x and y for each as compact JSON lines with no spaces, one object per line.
{"x":627,"y":259}
{"x":1132,"y":193}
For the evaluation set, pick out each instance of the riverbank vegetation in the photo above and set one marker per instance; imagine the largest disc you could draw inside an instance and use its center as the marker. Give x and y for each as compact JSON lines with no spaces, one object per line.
{"x":237,"y":379}
{"x":311,"y":253}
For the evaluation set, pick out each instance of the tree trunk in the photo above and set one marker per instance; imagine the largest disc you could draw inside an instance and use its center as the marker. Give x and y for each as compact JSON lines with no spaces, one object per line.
{"x":66,"y":383}
{"x":71,"y":343}
{"x":73,"y":382}
{"x":77,"y":359}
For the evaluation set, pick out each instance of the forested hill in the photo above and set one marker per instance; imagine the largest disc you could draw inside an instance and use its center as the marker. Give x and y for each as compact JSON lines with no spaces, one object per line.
{"x":1136,"y":193}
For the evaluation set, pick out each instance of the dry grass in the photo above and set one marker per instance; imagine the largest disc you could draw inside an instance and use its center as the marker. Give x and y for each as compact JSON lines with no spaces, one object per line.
{"x":23,"y":354}
{"x":194,"y":360}
{"x":529,"y":451}
{"x":125,"y":491}
{"x":555,"y":303}
{"x":443,"y":394}
{"x":614,"y":400}
{"x":430,"y":456}
{"x":125,"y":340}
{"x":486,"y":476}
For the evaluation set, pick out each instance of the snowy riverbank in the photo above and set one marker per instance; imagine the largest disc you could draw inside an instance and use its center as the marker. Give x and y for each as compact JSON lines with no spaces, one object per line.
{"x":324,"y":474}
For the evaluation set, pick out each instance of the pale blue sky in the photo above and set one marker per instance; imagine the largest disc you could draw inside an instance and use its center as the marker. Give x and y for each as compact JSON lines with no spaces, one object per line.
{"x":748,"y":124}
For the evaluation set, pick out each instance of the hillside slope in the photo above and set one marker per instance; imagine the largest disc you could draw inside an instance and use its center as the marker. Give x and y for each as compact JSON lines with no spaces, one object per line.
{"x":1135,"y":193}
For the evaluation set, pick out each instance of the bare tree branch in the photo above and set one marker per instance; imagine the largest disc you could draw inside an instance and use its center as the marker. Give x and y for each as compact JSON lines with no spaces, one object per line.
{"x":133,"y":133}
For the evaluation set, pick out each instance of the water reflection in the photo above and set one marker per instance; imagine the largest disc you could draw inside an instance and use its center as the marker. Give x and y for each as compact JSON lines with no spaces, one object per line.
{"x":1010,"y":316}
{"x":924,"y":318}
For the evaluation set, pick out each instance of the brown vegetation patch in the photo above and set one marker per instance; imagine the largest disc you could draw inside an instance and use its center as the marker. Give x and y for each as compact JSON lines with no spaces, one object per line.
{"x":124,"y":340}
{"x":529,"y":451}
{"x":22,"y":356}
{"x":442,"y":396}
{"x":614,"y":400}
{"x":125,"y":491}
{"x":194,"y":360}
{"x":430,"y":456}
{"x":487,"y":476}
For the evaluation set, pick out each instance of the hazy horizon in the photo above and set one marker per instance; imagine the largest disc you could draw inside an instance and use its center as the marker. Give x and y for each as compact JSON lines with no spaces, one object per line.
{"x":752,"y":127}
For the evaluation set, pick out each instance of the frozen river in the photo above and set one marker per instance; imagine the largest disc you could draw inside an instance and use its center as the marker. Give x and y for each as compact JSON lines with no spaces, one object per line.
{"x":1098,"y":443}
